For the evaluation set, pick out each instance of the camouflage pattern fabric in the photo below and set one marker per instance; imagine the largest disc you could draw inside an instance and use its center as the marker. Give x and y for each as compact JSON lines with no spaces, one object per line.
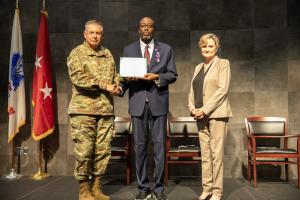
{"x":92,"y":136}
{"x":90,"y":71}
{"x":91,"y":108}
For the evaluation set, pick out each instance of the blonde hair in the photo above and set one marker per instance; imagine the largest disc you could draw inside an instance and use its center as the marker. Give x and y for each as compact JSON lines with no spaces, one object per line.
{"x":203,"y":39}
{"x":94,"y":22}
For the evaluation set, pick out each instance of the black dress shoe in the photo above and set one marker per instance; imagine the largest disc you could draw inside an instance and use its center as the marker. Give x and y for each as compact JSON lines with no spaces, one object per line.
{"x":159,"y":196}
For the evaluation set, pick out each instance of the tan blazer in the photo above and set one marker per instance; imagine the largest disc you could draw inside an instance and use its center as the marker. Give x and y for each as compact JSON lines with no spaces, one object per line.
{"x":215,"y":89}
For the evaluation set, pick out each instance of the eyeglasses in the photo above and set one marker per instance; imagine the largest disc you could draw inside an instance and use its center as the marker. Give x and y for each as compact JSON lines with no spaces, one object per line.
{"x":146,"y":26}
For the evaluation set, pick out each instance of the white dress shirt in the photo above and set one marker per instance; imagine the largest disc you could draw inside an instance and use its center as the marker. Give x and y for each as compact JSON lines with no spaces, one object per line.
{"x":150,"y":49}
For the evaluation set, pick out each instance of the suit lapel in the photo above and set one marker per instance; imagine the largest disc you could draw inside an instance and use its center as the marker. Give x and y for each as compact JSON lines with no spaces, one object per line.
{"x":156,"y":50}
{"x":138,"y":49}
{"x":197,"y":70}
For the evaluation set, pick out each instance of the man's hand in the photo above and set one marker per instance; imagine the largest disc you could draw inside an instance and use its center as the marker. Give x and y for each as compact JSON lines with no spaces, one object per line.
{"x":110,"y":88}
{"x":116,"y":91}
{"x":151,"y":76}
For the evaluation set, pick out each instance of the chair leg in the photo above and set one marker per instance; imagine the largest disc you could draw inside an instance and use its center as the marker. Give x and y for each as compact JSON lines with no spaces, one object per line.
{"x":127,"y":177}
{"x":166,"y":177}
{"x":128,"y":171}
{"x":286,"y":172}
{"x":254,"y":173}
{"x":127,"y":174}
{"x":298,"y":169}
{"x":249,"y":170}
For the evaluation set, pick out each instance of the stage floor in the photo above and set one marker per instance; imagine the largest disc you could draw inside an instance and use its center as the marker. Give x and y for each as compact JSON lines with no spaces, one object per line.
{"x":66,"y":188}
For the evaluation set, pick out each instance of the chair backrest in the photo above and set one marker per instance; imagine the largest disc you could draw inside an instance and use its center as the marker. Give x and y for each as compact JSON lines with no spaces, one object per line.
{"x":182,"y":125}
{"x":266,"y":125}
{"x":122,"y":125}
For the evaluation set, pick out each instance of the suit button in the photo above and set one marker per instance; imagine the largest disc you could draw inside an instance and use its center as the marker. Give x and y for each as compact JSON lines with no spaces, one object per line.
{"x":203,"y":95}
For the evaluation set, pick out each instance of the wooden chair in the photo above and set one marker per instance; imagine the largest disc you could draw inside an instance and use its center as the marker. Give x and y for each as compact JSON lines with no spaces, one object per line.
{"x":264,"y":130}
{"x":121,"y":145}
{"x":176,"y":151}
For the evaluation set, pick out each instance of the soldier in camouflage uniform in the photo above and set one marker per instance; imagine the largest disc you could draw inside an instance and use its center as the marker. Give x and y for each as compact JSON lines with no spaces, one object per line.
{"x":94,"y":77}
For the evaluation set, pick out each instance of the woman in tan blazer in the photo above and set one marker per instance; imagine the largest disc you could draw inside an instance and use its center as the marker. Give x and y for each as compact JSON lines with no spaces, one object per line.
{"x":209,"y":105}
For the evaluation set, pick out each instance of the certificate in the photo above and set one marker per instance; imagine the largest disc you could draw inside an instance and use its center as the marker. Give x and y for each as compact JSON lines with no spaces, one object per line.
{"x":133,"y":67}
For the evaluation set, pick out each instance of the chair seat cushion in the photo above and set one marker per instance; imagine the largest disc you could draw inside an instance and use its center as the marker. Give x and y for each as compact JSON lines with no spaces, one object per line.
{"x":274,"y":150}
{"x":118,"y":149}
{"x":185,"y":148}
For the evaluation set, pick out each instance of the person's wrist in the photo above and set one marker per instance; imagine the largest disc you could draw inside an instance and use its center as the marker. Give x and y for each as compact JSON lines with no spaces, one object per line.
{"x":193,"y":111}
{"x":107,"y":88}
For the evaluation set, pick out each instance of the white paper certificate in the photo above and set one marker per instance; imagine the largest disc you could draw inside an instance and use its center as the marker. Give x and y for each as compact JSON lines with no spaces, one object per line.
{"x":133,"y":67}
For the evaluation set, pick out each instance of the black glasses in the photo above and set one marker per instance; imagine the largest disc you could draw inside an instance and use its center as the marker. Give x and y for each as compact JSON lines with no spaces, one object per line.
{"x":146,"y":26}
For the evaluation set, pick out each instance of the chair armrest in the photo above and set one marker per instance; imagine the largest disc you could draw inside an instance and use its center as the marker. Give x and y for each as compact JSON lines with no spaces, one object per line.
{"x":122,"y":119}
{"x":274,"y":136}
{"x":294,"y":135}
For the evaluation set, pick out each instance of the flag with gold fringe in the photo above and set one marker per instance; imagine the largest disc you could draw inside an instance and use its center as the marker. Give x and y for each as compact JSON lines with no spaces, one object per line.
{"x":16,"y":87}
{"x":42,"y":89}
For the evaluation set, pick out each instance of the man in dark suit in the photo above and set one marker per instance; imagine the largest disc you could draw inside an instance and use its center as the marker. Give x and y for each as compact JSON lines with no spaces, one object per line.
{"x":149,"y":105}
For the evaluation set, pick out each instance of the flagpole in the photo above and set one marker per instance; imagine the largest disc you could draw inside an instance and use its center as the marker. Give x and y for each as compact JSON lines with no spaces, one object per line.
{"x":44,"y":5}
{"x":13,"y":154}
{"x":13,"y":174}
{"x":40,"y":175}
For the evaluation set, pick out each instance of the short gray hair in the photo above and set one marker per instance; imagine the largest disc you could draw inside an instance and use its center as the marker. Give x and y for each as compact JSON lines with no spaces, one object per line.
{"x":203,"y":39}
{"x":94,"y":22}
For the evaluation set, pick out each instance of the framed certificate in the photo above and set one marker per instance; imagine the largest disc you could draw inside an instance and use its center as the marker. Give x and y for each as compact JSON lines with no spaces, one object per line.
{"x":133,"y":67}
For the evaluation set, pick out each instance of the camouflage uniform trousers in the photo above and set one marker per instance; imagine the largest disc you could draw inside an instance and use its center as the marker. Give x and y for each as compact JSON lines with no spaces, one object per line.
{"x":92,"y":136}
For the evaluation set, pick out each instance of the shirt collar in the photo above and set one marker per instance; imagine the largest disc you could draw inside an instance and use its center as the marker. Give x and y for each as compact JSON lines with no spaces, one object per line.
{"x":91,"y":51}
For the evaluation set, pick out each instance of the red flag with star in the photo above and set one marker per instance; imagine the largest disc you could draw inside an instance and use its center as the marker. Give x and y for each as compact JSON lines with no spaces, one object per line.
{"x":42,"y":89}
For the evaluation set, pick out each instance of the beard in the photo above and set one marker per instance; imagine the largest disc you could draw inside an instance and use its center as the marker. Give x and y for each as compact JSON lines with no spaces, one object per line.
{"x":146,"y":38}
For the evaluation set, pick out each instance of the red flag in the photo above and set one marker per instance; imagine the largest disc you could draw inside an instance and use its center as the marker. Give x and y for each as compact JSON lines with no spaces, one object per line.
{"x":42,"y":89}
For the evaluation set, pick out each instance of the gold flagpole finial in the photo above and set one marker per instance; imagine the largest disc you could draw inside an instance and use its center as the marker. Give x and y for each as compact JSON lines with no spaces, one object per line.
{"x":44,"y":5}
{"x":17,"y":4}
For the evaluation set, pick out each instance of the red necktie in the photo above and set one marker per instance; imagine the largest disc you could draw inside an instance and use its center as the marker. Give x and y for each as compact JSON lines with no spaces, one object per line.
{"x":147,"y":54}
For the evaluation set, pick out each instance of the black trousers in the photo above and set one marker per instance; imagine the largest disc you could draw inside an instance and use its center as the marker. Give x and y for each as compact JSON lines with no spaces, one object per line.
{"x":141,"y":127}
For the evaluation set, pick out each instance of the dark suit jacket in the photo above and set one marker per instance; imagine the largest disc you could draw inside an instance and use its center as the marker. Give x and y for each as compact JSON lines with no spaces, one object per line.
{"x":162,"y":63}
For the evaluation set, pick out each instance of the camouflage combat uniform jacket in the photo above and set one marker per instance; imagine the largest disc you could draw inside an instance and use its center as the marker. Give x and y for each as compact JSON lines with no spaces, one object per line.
{"x":90,"y":72}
